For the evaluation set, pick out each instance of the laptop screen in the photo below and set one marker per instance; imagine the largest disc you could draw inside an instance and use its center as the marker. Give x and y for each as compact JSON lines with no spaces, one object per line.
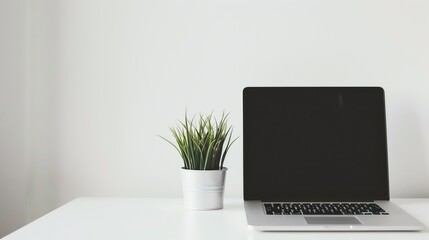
{"x":315,"y":144}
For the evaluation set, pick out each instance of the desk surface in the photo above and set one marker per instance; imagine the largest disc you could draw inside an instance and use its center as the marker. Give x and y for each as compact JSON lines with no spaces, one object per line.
{"x":164,"y":218}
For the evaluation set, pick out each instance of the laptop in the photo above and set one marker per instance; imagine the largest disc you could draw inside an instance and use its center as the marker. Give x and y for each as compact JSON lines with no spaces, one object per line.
{"x":315,"y":159}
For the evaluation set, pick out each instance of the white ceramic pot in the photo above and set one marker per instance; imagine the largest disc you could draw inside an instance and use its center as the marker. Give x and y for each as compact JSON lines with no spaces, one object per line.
{"x":203,"y":189}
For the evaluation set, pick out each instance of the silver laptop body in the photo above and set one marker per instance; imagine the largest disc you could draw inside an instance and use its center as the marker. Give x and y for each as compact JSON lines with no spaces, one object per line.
{"x":315,"y":159}
{"x":397,"y":220}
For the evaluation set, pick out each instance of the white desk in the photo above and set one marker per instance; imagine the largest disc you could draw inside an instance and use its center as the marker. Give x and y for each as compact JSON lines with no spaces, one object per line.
{"x":150,"y":218}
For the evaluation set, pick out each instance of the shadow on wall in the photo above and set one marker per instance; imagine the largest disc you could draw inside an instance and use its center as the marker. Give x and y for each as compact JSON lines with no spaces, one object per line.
{"x":407,"y":157}
{"x":43,"y":103}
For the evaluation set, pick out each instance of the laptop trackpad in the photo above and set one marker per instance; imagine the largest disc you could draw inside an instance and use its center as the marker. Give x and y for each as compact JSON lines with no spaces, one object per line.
{"x":332,"y":220}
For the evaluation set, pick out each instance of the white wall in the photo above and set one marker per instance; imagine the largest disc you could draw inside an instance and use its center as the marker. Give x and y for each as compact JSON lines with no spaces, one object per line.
{"x":13,"y":165}
{"x":105,"y":77}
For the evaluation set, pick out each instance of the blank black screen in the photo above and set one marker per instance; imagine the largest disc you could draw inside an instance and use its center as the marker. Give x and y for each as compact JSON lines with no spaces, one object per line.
{"x":315,"y":144}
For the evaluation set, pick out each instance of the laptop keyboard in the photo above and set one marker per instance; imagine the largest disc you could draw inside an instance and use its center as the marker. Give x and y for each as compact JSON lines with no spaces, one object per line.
{"x":323,"y":209}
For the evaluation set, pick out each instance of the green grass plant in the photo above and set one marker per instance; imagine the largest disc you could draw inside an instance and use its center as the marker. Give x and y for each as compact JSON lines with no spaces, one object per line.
{"x":203,"y":142}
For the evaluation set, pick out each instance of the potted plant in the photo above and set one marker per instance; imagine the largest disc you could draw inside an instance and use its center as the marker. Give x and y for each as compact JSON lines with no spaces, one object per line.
{"x":203,"y":144}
